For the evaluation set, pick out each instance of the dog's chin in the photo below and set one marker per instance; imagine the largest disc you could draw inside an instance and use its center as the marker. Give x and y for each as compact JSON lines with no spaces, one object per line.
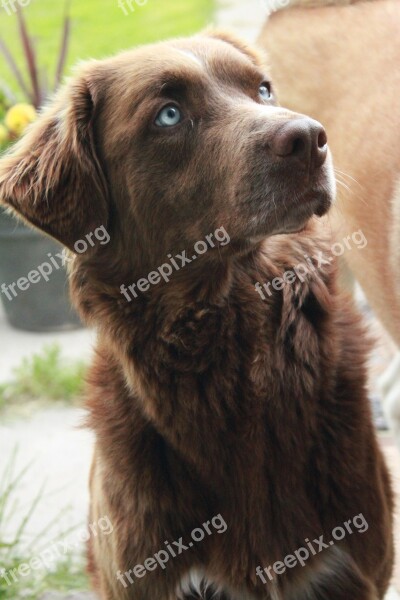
{"x":292,"y":216}
{"x":315,"y":200}
{"x":310,"y":205}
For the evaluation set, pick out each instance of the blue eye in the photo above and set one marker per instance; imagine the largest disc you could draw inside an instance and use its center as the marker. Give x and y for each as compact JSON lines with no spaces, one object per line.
{"x":169,"y":116}
{"x":265,"y":91}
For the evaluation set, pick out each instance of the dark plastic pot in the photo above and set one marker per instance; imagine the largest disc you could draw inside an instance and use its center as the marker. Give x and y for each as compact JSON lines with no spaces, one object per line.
{"x":44,"y":305}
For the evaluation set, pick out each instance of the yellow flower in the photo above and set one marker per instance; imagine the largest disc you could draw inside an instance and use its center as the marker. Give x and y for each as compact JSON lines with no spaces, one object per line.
{"x":19,"y":116}
{"x":3,"y":134}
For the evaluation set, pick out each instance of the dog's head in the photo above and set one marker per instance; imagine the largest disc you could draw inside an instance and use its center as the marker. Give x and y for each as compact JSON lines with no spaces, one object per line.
{"x":166,"y":143}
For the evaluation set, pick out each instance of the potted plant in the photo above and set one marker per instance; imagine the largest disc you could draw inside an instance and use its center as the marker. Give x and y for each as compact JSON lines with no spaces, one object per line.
{"x":40,"y":302}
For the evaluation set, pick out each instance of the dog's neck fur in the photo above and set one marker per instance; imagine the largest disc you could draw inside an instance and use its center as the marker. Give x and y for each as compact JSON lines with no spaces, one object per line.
{"x":172,"y":345}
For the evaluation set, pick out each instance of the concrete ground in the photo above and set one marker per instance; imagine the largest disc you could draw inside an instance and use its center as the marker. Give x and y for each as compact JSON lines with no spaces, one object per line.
{"x":58,"y":453}
{"x":17,"y":344}
{"x":53,"y":443}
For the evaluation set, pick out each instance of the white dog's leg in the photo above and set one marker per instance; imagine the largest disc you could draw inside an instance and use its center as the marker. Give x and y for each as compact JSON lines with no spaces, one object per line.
{"x":390,"y":387}
{"x":392,"y":594}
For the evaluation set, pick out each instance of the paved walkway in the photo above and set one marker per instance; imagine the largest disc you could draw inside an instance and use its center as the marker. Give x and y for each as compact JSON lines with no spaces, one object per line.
{"x":16,"y":344}
{"x":58,"y":452}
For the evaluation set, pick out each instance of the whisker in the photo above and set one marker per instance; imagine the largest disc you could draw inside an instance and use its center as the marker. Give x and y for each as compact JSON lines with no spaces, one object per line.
{"x":346,"y":187}
{"x":359,"y":197}
{"x":276,"y":213}
{"x":346,"y":175}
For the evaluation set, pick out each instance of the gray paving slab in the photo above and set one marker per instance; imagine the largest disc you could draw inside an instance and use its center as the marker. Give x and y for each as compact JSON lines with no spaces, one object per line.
{"x":58,"y":452}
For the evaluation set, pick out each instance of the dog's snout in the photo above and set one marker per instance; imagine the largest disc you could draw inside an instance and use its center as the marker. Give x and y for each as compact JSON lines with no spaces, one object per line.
{"x":302,"y":139}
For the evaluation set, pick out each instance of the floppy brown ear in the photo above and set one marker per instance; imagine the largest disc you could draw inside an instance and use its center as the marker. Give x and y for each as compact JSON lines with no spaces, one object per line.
{"x":52,"y":176}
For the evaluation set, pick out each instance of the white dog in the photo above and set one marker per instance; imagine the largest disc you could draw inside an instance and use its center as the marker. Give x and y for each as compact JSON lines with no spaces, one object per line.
{"x":338,"y":60}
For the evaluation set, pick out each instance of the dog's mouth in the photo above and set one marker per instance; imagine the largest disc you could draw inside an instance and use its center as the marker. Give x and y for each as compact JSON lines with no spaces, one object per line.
{"x":318,"y":200}
{"x":289,"y":213}
{"x":315,"y":199}
{"x":313,"y":204}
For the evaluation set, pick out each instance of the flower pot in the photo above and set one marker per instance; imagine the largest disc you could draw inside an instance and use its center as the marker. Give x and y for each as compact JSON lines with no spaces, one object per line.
{"x":34,"y":298}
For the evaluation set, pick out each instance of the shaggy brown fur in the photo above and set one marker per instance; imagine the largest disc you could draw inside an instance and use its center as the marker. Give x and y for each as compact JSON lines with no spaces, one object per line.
{"x":206,"y":400}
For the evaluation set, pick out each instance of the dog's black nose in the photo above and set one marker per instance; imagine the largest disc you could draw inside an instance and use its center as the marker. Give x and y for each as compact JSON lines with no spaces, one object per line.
{"x":301,"y":139}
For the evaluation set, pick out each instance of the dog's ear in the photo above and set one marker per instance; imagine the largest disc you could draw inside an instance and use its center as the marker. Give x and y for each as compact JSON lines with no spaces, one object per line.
{"x":52,"y":177}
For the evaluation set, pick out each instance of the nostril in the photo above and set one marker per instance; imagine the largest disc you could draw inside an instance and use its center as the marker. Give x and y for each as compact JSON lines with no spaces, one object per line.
{"x":293,"y":140}
{"x":322,"y":139}
{"x":298,"y":147}
{"x":303,"y":140}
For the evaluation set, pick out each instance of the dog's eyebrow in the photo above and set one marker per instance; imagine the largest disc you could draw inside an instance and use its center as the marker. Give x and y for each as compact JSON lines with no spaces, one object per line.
{"x":191,"y":55}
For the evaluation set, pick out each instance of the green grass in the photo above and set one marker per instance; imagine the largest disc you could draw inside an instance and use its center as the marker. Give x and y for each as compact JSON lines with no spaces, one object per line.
{"x":100,"y":28}
{"x":67,"y":575}
{"x":44,"y":376}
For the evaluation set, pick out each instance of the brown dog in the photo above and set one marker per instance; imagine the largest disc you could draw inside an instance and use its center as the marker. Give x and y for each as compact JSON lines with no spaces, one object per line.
{"x":215,"y":410}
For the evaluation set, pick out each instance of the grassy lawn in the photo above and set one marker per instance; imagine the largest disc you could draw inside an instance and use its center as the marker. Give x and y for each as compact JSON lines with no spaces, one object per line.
{"x":44,"y":377}
{"x":100,"y":27}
